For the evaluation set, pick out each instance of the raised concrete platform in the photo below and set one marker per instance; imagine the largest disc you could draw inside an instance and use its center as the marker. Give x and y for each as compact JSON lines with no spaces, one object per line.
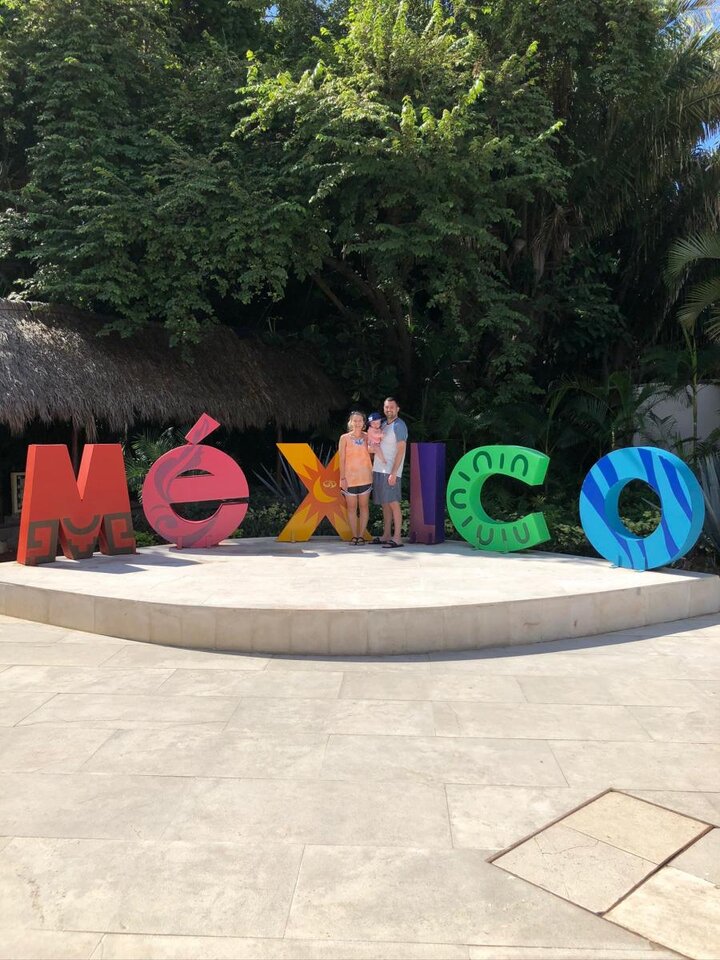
{"x":325,"y":597}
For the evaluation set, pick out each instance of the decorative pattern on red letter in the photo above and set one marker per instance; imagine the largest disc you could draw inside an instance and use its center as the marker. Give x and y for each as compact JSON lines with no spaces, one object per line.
{"x":81,"y":513}
{"x":218,"y":478}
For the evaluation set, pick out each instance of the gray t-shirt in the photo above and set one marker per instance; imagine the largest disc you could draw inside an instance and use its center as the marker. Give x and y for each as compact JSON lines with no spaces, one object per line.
{"x":393,"y":433}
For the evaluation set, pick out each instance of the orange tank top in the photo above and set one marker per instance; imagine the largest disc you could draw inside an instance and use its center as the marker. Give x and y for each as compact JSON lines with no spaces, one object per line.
{"x":358,"y":465}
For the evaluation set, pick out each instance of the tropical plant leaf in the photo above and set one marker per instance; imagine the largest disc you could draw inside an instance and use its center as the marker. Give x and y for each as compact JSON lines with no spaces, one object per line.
{"x":684,"y":253}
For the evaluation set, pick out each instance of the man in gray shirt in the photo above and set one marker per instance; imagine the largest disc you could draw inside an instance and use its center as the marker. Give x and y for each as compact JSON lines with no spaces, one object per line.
{"x":387,"y":474}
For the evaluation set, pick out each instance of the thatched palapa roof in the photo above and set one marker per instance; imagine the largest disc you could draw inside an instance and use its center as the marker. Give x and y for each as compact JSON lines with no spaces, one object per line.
{"x":55,"y":367}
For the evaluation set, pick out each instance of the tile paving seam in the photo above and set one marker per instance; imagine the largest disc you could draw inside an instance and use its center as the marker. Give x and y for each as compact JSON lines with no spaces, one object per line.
{"x":664,"y":863}
{"x":660,"y":866}
{"x":560,"y":766}
{"x":600,"y":916}
{"x":35,"y":709}
{"x":551,"y":823}
{"x":224,"y":728}
{"x":111,"y":733}
{"x":586,"y":803}
{"x":653,"y":943}
{"x":459,"y":738}
{"x":157,"y":690}
{"x":449,"y":819}
{"x":321,"y":761}
{"x":294,"y":890}
{"x":621,"y":953}
{"x":553,"y":893}
{"x":603,"y":914}
{"x":295,"y":939}
{"x":202,"y":777}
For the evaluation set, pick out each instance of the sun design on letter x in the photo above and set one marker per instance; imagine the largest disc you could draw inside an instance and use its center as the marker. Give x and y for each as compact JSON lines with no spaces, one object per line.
{"x":324,"y":498}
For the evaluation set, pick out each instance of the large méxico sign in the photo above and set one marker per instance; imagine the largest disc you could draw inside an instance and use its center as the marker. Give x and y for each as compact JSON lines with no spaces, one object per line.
{"x":93,"y":509}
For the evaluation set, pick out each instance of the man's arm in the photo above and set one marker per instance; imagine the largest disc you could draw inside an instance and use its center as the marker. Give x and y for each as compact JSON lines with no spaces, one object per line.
{"x":399,"y":455}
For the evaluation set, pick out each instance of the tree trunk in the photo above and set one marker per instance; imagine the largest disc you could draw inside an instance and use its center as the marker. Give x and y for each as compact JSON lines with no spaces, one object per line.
{"x":75,"y":447}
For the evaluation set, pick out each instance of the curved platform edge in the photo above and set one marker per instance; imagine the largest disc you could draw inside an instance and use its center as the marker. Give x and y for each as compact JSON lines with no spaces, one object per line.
{"x":430,"y":629}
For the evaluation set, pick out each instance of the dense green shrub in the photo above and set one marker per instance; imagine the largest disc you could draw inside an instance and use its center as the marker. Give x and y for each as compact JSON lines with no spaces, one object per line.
{"x":468,"y":204}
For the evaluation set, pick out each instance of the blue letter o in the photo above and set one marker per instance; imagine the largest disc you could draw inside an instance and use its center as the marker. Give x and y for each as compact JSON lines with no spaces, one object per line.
{"x":681,"y":502}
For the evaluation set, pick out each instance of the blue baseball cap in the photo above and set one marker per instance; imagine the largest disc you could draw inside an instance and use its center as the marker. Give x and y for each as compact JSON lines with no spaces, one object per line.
{"x":374,"y":416}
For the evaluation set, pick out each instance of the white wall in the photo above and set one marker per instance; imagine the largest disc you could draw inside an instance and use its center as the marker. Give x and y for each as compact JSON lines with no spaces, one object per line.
{"x":679,"y":413}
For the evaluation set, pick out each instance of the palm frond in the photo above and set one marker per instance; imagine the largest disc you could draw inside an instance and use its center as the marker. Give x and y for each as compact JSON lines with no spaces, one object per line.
{"x":687,"y":250}
{"x":712,"y":327}
{"x":700,"y":297}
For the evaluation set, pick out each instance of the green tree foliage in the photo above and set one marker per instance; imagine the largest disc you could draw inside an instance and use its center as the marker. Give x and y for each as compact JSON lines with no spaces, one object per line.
{"x":89,"y":77}
{"x":130,"y":201}
{"x":634,"y":84}
{"x":403,"y":153}
{"x":469,"y":203}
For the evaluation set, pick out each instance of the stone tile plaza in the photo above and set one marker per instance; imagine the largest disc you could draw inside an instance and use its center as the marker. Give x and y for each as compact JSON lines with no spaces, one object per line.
{"x":531,"y":798}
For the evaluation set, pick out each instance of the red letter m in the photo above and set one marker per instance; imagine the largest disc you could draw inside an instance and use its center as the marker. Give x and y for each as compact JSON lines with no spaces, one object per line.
{"x":80,"y":512}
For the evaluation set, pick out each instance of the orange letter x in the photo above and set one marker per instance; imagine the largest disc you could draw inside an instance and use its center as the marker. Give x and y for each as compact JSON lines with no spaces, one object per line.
{"x":324,"y":498}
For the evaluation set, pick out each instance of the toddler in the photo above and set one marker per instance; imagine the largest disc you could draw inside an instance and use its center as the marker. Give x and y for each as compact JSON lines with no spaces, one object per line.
{"x":375,"y":435}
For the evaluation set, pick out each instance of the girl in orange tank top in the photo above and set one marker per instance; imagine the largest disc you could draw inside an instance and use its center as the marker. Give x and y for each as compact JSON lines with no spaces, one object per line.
{"x":356,"y":476}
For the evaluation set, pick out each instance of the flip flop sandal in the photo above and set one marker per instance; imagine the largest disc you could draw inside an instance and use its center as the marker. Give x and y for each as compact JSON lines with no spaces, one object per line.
{"x":378,"y":542}
{"x":392,"y":545}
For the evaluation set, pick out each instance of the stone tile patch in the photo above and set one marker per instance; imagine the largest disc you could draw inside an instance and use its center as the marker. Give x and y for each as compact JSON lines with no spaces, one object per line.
{"x":177,"y":753}
{"x":137,"y":947}
{"x":47,"y":945}
{"x":252,"y":683}
{"x":676,"y":909}
{"x":31,"y":750}
{"x":258,"y":716}
{"x":406,"y":662}
{"x":127,"y":712}
{"x":302,"y":811}
{"x":702,"y":859}
{"x":399,"y":686}
{"x":639,"y":766}
{"x":541,"y":721}
{"x":56,"y":654}
{"x":640,"y":828}
{"x":32,"y":679}
{"x":134,"y":947}
{"x":235,"y":889}
{"x":79,"y":636}
{"x":701,"y":806}
{"x":492,"y":818}
{"x":623,"y":691}
{"x":551,"y":953}
{"x":605,"y":856}
{"x":92,"y":806}
{"x":581,"y":869}
{"x":709,"y":687}
{"x":153,"y":655}
{"x":14,"y":707}
{"x":445,"y":759}
{"x":13,"y":629}
{"x":437,"y":896}
{"x":680,"y":724}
